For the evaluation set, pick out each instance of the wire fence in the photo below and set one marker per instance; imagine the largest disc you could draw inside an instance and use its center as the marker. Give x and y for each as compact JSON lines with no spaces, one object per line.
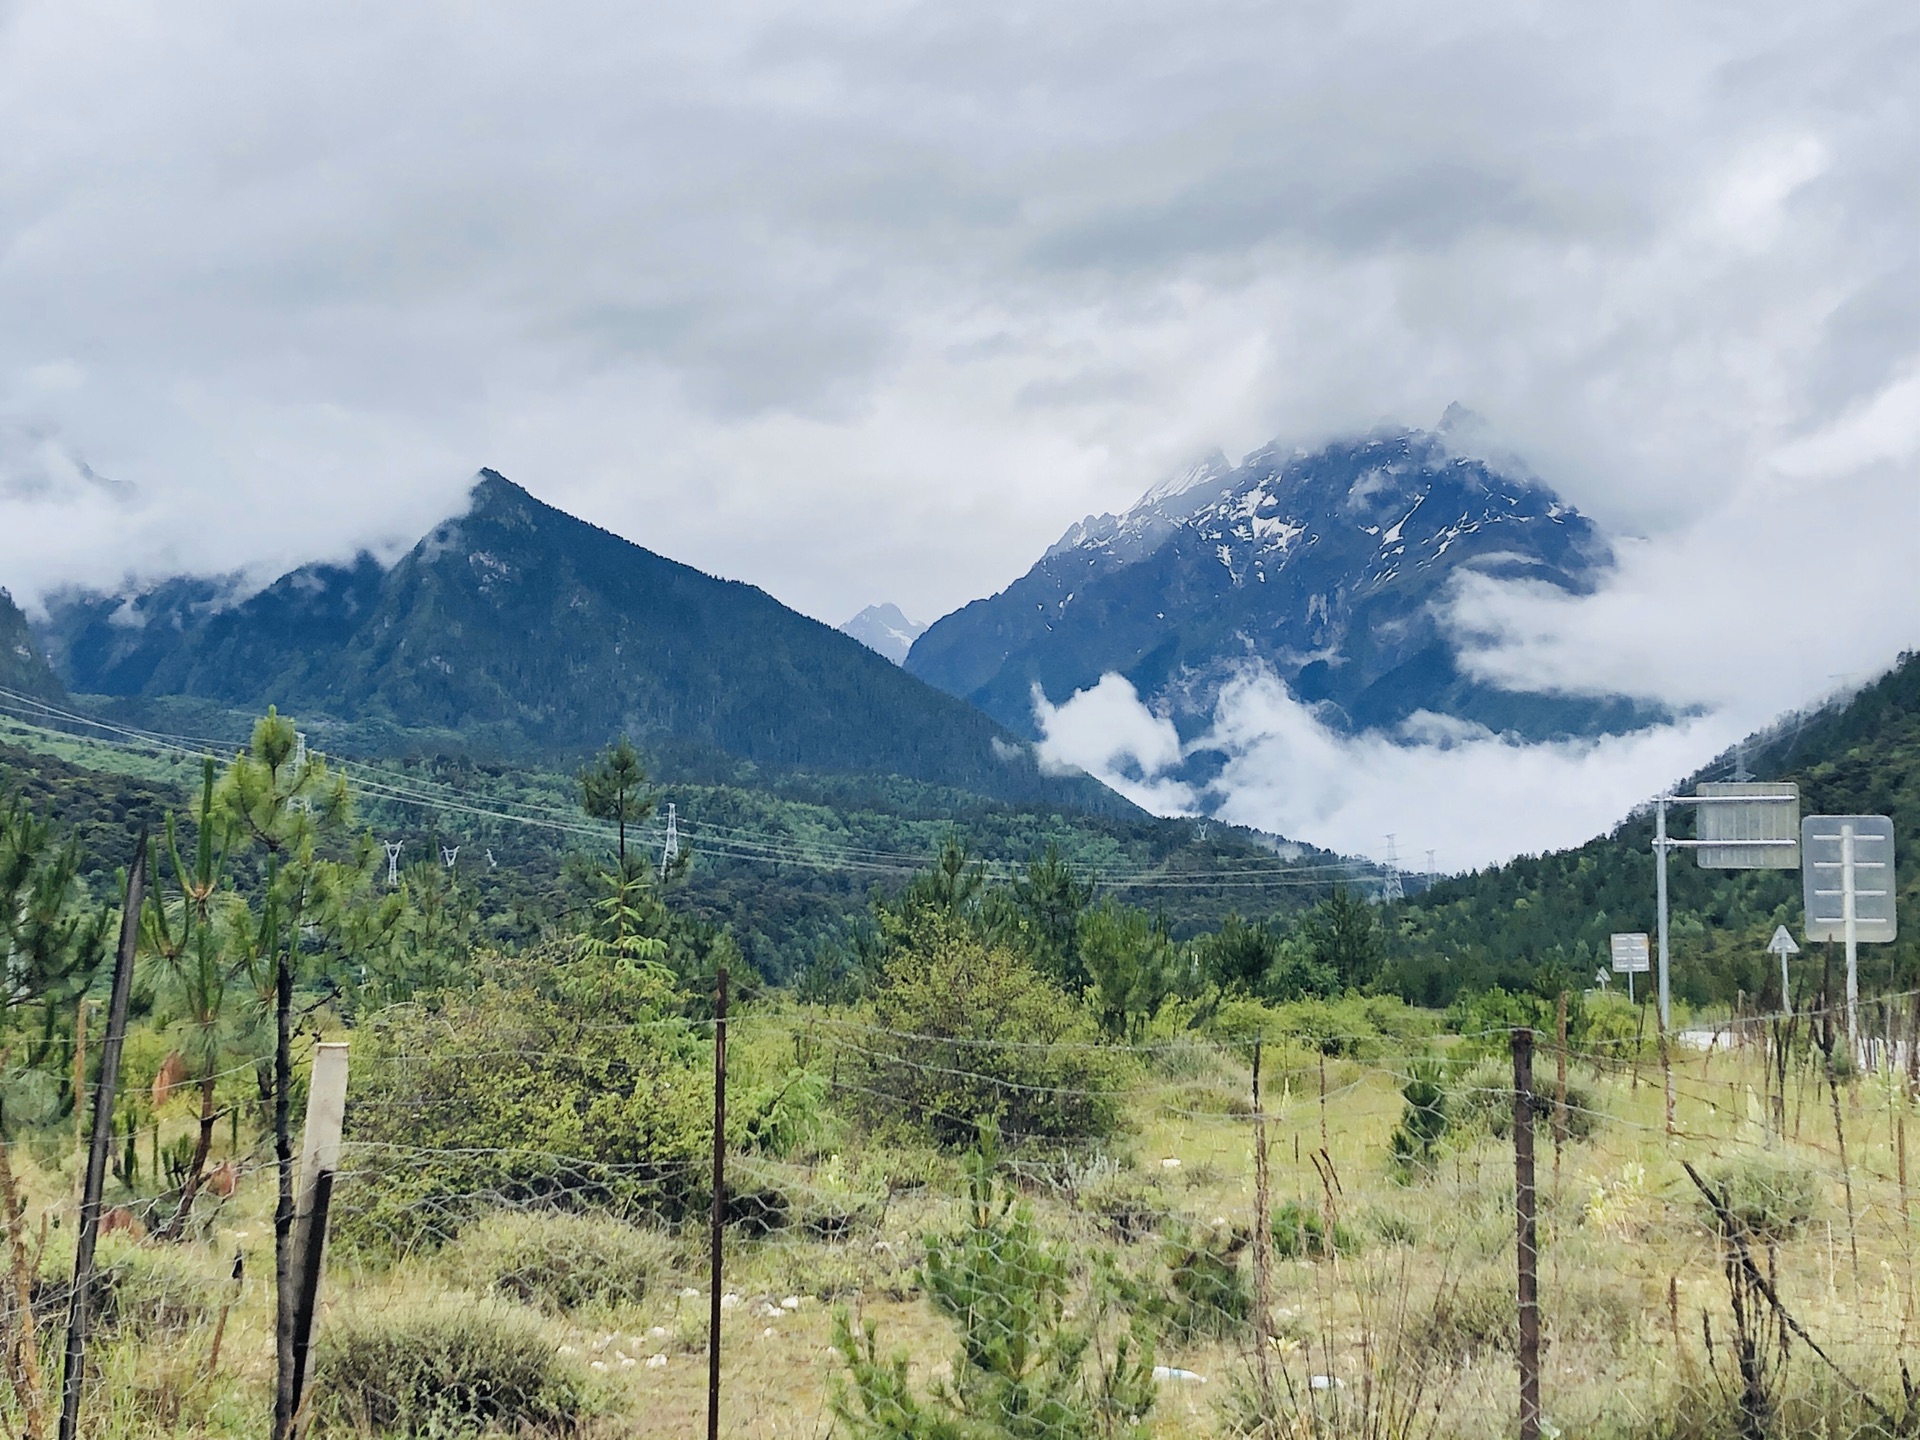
{"x":1119,"y":1262}
{"x":1140,"y":1242}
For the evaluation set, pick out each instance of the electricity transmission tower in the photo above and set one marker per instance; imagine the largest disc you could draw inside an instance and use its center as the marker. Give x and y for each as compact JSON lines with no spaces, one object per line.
{"x":670,"y":851}
{"x":393,"y":862}
{"x":1390,"y":889}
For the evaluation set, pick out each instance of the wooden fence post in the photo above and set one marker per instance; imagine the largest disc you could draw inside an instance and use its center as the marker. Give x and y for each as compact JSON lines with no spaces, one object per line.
{"x":319,"y":1162}
{"x":1263,"y":1248}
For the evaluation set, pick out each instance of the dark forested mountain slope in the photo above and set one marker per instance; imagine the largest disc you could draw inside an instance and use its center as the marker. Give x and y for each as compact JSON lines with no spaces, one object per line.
{"x":22,"y":666}
{"x":1330,"y":569}
{"x":1554,"y":912}
{"x":532,"y":632}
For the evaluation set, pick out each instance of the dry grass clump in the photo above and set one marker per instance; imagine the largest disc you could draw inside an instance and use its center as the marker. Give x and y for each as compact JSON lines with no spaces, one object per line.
{"x":448,"y":1365}
{"x":560,"y":1262}
{"x":140,"y":1288}
{"x":1772,"y":1196}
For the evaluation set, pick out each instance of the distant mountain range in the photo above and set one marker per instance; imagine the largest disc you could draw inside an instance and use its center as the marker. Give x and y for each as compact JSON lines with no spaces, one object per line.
{"x":884,"y":630}
{"x":1332,"y":570}
{"x":534,"y":634}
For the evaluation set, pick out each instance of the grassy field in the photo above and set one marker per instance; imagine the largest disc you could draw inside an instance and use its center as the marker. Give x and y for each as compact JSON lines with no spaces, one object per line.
{"x":1407,"y":1319}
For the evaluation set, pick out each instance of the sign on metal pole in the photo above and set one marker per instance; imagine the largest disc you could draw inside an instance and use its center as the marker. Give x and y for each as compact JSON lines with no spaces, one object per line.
{"x":1742,"y":826}
{"x":1783,"y":946}
{"x":1630,"y":954}
{"x":1847,"y":882}
{"x":1630,"y":957}
{"x":1831,"y":876}
{"x":1758,"y":825}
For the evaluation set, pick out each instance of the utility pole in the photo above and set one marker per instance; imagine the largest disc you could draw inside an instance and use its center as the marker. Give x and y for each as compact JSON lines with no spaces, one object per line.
{"x":1661,"y":845}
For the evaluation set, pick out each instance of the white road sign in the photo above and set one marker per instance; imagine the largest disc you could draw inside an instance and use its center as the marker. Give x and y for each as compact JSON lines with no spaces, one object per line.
{"x":1782,"y":943}
{"x":1760,"y":820}
{"x":1630,"y":954}
{"x":1848,"y":866}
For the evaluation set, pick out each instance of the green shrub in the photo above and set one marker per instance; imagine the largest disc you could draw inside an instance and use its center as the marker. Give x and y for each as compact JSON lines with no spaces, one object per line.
{"x":1483,"y":1101}
{"x":1416,"y":1139}
{"x":839,"y":1201}
{"x":564,"y":1081}
{"x":1208,"y":1100}
{"x":1475,"y":1316}
{"x":1771,"y":1196}
{"x":447,"y":1366}
{"x":140,"y":1289}
{"x":1128,"y":1206}
{"x":1479,"y":1315}
{"x":1390,"y":1227}
{"x":560,"y":1262}
{"x":1353,"y":1026}
{"x":969,"y":1030}
{"x":1038,"y":1357}
{"x":1300,"y":1233}
{"x":1207,"y":1294}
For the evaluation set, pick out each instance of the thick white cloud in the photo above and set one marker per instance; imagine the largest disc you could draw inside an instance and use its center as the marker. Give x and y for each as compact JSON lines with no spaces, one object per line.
{"x":1469,"y":796}
{"x":866,"y":301}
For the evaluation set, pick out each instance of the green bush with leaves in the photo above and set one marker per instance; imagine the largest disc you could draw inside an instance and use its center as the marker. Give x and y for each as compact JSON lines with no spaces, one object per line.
{"x":1133,"y":968}
{"x":1482,"y":1102}
{"x":964,"y":1029}
{"x":1772,"y":1197}
{"x":1031,"y":1365}
{"x":564,"y":1080}
{"x":447,"y":1366}
{"x":1351,"y":1026}
{"x":1415,"y":1142}
{"x":138,"y":1289}
{"x":560,"y":1262}
{"x":1206,"y":1294}
{"x":1300,"y":1233}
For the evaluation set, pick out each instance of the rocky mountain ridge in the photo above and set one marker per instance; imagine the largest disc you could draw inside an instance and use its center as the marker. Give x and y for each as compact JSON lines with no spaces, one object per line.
{"x":528,"y":632}
{"x":1334,"y":570}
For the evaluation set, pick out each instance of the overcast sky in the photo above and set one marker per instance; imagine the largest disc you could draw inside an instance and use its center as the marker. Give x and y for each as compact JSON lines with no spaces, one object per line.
{"x":868,"y":301}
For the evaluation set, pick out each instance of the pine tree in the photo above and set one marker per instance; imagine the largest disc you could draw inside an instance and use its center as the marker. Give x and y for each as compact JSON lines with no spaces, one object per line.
{"x":197,"y":939}
{"x":279,"y":797}
{"x":615,"y":788}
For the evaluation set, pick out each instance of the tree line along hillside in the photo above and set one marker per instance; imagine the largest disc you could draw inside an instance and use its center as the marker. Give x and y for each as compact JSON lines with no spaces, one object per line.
{"x":786,"y":863}
{"x":790,"y":868}
{"x":1543,"y":921}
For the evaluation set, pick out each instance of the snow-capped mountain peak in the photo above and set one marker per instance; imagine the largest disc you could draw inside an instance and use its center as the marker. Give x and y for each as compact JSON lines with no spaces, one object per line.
{"x":885,"y":630}
{"x":1331,"y":570}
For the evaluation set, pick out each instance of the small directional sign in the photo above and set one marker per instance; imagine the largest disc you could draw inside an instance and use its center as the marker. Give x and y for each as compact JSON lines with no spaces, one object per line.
{"x":1630,"y":954}
{"x":1782,"y":943}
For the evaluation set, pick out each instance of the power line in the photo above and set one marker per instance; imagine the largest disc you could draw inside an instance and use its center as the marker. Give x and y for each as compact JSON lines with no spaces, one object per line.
{"x":724,"y":842}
